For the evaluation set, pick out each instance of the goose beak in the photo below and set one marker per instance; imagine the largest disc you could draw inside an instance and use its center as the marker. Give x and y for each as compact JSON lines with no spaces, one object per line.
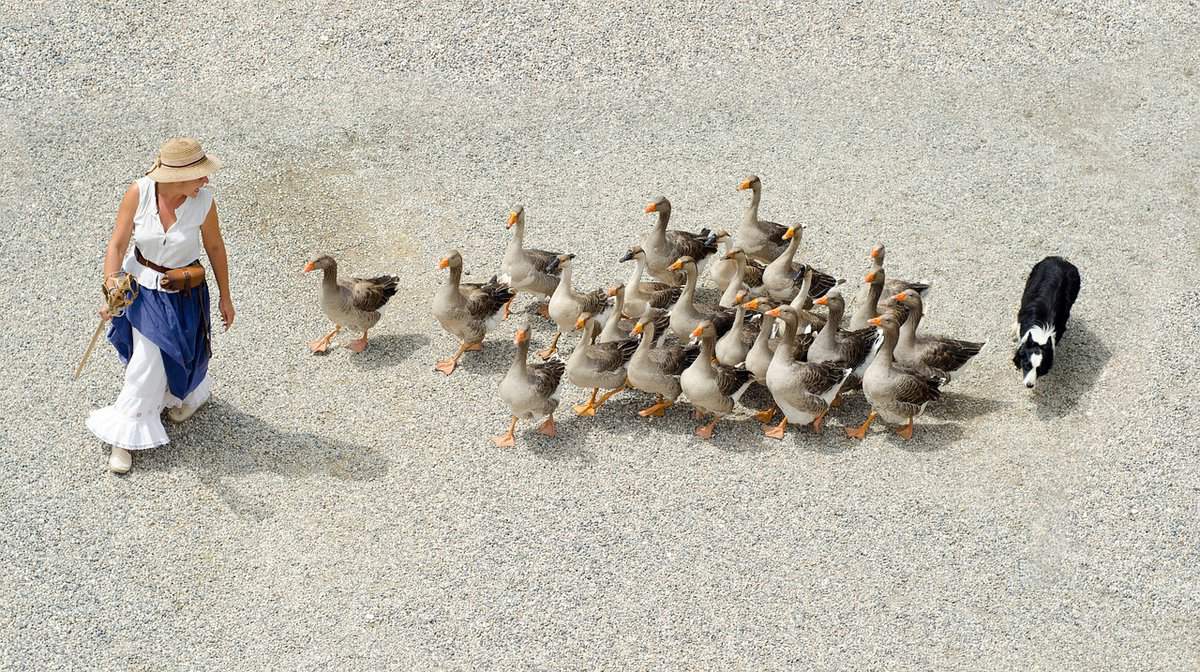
{"x":869,"y":277}
{"x":637,"y":328}
{"x":512,"y":219}
{"x":310,"y":267}
{"x":743,"y":185}
{"x":444,"y":263}
{"x":774,"y":312}
{"x":697,"y":332}
{"x":790,"y":233}
{"x":653,"y":207}
{"x":823,"y":301}
{"x":874,"y":321}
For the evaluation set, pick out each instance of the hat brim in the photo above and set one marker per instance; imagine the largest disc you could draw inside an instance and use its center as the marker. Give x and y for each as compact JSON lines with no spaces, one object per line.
{"x":205,"y":168}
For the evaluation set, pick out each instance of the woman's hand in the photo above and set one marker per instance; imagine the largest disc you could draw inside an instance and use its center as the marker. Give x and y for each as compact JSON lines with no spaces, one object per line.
{"x":227,"y":311}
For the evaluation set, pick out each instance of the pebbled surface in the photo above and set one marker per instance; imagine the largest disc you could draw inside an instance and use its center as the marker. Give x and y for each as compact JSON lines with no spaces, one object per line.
{"x":349,"y":511}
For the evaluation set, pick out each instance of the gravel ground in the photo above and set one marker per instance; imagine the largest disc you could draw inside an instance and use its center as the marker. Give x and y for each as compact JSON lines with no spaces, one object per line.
{"x":349,"y":511}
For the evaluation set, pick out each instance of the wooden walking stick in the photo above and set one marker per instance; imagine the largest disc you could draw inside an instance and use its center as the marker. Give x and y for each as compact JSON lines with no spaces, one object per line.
{"x":118,"y":299}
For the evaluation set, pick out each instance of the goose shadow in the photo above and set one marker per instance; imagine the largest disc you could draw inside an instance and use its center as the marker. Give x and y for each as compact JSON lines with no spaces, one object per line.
{"x":388,"y":350}
{"x":959,"y":406}
{"x":223,"y":442}
{"x":1079,"y":359}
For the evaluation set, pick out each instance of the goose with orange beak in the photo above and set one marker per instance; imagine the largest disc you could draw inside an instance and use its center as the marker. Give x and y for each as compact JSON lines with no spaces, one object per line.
{"x":733,"y":264}
{"x":758,"y":358}
{"x":530,"y":390}
{"x":762,"y":240}
{"x":663,"y":246}
{"x":597,"y":365}
{"x":803,"y":389}
{"x":641,"y":294}
{"x":897,"y":393}
{"x":466,"y":310}
{"x":868,"y":307}
{"x":833,"y":344}
{"x":654,"y":367}
{"x":711,"y":387}
{"x":895,"y":285}
{"x":937,"y":352}
{"x":748,"y":277}
{"x":686,"y":314}
{"x":355,"y":303}
{"x":566,"y":304}
{"x":525,"y":269}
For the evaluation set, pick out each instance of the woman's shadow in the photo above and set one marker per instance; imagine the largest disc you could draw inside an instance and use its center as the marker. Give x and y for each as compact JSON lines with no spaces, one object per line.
{"x":221,"y":443}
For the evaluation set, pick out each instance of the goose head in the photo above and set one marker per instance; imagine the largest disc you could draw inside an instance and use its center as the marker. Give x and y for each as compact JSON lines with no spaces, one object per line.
{"x":660,"y":205}
{"x":322,"y":262}
{"x":751,"y":182}
{"x":515,"y":216}
{"x":452,"y":260}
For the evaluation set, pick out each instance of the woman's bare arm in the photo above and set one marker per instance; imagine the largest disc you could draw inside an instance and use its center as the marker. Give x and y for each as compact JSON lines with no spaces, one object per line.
{"x":118,"y":243}
{"x":214,"y":246}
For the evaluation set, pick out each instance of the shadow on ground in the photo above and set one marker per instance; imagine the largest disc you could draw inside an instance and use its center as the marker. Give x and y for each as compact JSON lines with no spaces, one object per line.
{"x":222,"y":441}
{"x":1079,"y":359}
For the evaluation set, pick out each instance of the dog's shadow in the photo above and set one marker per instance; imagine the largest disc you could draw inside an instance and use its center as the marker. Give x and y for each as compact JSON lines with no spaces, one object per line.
{"x":221,"y":443}
{"x":1079,"y":359}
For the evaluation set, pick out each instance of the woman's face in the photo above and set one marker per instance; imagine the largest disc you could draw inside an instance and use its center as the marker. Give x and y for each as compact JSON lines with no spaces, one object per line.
{"x":191,"y":188}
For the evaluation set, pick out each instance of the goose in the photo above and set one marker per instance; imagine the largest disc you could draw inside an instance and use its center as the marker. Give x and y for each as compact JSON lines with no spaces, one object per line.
{"x":748,"y":276}
{"x":663,"y":246}
{"x":733,"y":263}
{"x":936,"y":352}
{"x":762,"y":240}
{"x":526,"y":269}
{"x":566,"y":305}
{"x":685,"y":314}
{"x":530,"y":390}
{"x":803,"y":389}
{"x":734,"y":344}
{"x":598,"y":365}
{"x":896,"y":392}
{"x":466,"y":310}
{"x":712,"y":387}
{"x":758,"y":358}
{"x":656,"y":368}
{"x":640,"y":294}
{"x":833,"y":344}
{"x":868,"y":307}
{"x":895,"y":286}
{"x":354,"y":304}
{"x":781,"y":275}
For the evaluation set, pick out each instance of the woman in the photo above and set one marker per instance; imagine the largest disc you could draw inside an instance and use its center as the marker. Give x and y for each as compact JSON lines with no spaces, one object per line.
{"x":163,"y":336}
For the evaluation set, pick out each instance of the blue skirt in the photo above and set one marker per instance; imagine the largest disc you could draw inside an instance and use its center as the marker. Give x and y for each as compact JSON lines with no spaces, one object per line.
{"x":178,"y":323}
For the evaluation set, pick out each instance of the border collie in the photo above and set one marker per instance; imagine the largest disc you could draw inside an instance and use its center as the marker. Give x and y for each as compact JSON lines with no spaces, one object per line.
{"x":1046,"y":304}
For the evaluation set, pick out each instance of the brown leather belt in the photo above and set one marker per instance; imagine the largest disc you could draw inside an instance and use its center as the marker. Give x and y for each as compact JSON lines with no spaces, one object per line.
{"x":137,"y":253}
{"x":182,"y":279}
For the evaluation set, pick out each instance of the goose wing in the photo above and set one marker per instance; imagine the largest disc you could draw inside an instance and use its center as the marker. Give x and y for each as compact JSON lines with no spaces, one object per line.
{"x":545,"y":376}
{"x":370,"y":294}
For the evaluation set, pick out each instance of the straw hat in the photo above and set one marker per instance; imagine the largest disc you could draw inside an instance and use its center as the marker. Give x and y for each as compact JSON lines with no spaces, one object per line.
{"x":180,"y":160}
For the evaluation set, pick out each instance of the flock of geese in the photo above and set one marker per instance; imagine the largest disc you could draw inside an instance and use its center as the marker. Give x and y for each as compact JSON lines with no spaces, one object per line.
{"x":655,"y":336}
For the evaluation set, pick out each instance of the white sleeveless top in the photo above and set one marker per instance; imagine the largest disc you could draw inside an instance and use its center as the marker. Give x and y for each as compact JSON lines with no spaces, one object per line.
{"x":178,"y":246}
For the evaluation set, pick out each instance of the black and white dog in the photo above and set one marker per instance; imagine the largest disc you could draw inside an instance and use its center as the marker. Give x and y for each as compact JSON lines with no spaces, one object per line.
{"x":1046,"y":304}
